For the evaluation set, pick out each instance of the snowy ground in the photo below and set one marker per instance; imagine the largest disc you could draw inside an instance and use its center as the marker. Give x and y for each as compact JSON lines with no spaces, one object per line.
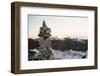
{"x":68,"y":54}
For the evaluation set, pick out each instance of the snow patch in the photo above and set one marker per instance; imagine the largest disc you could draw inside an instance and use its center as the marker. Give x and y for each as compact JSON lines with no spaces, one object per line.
{"x":67,"y":54}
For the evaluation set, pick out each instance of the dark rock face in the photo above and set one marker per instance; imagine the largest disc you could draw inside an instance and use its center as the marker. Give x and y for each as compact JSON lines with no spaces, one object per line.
{"x":83,"y":56}
{"x":32,"y":55}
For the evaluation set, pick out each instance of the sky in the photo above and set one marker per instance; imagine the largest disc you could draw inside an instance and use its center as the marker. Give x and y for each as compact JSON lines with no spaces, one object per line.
{"x":61,"y":26}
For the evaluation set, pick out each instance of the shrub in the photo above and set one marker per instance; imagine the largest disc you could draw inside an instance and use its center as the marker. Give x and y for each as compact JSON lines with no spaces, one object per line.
{"x":66,"y":44}
{"x":32,"y":44}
